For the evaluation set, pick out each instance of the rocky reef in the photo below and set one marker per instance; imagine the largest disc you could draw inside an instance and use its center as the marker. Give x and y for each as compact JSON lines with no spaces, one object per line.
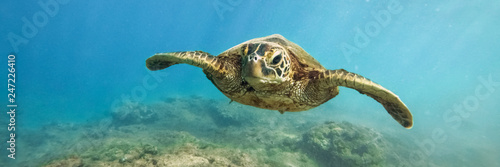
{"x":133,"y":113}
{"x":198,"y":131}
{"x":343,"y":144}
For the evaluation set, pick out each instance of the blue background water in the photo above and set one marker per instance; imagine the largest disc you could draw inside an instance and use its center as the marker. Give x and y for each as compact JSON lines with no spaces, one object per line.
{"x":432,"y":54}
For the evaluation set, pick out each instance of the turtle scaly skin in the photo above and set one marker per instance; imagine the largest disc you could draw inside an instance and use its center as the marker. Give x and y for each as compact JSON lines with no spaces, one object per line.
{"x":274,"y":73}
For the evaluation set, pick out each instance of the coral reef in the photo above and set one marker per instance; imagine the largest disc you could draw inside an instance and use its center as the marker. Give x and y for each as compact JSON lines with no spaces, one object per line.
{"x":192,"y":154}
{"x":343,"y":144}
{"x":186,"y":150}
{"x":203,"y":132}
{"x":132,"y":113}
{"x":69,"y":162}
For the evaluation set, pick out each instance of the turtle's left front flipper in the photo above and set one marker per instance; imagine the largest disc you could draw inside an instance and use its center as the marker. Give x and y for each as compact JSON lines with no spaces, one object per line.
{"x":391,"y":102}
{"x":200,"y":59}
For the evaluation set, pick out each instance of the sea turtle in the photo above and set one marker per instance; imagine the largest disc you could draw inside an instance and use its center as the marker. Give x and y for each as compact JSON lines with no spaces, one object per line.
{"x":274,"y":73}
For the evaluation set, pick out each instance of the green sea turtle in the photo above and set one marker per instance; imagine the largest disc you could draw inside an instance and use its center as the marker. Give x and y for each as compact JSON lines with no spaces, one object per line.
{"x":274,"y":73}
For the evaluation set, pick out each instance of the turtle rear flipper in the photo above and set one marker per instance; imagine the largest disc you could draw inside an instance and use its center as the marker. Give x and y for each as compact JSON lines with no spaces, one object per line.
{"x":200,"y":59}
{"x":391,"y":102}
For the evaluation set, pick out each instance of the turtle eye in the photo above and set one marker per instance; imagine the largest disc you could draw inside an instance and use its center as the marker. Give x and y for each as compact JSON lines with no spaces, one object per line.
{"x":276,"y":59}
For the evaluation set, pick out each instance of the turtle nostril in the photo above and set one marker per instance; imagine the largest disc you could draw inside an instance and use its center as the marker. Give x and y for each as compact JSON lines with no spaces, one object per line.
{"x":255,"y":58}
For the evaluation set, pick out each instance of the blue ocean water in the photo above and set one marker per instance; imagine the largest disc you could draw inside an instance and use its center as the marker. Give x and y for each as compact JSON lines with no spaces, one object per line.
{"x":80,"y":59}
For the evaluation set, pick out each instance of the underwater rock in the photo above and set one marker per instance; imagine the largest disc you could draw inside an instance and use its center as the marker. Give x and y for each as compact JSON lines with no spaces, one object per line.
{"x":70,"y":162}
{"x":221,"y":113}
{"x":99,"y":129}
{"x":226,"y":114}
{"x":184,"y":114}
{"x":343,"y":144}
{"x":133,"y":113}
{"x":189,"y":151}
{"x":118,"y":152}
{"x":199,"y":110}
{"x":192,"y":154}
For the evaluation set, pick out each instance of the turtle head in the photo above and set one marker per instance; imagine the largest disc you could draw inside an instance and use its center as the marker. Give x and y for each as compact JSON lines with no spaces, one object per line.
{"x":265,"y":64}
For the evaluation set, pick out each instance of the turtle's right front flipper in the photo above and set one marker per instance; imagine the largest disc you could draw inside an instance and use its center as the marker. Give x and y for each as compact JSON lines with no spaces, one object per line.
{"x":391,"y":102}
{"x":200,"y":59}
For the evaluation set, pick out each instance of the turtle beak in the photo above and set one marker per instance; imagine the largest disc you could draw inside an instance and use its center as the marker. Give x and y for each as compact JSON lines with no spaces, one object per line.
{"x":252,"y":67}
{"x":254,"y":70}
